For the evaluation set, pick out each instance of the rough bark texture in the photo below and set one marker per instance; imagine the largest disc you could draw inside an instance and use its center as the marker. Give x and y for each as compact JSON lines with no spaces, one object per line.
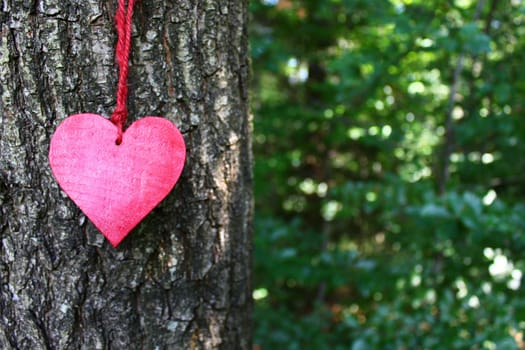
{"x":181,"y":280}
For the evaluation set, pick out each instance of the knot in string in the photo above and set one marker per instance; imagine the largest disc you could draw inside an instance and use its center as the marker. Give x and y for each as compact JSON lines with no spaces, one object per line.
{"x":118,"y":118}
{"x":123,"y":24}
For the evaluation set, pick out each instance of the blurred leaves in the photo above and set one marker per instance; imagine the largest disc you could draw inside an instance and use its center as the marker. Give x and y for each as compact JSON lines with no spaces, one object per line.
{"x":355,"y":247}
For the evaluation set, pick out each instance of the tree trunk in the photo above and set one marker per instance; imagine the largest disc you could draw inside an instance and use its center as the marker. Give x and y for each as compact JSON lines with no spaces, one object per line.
{"x":181,"y":279}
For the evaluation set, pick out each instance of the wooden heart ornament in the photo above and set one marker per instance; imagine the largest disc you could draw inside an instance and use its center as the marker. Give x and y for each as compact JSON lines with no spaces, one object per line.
{"x":116,"y":186}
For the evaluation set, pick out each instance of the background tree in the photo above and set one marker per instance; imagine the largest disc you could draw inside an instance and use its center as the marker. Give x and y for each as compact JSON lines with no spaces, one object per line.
{"x":389,"y":138}
{"x":181,"y":280}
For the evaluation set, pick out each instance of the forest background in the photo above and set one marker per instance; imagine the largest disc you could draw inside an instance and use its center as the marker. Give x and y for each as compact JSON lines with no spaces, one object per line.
{"x":390,"y":174}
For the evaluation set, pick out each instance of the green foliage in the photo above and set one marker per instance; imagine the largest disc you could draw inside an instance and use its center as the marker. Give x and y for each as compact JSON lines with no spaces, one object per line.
{"x":387,"y":218}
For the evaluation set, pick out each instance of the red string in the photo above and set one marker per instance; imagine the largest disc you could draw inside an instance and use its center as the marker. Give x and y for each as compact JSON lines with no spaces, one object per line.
{"x":123,"y":24}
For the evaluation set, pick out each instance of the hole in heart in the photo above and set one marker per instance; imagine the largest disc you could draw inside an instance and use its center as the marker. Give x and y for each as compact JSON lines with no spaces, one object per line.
{"x":118,"y":141}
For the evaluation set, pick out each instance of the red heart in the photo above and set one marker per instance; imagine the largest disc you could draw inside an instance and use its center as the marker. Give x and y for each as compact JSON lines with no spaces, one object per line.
{"x":116,"y":186}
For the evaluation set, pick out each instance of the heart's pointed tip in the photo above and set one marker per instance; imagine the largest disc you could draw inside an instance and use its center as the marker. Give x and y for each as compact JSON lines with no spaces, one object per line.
{"x":115,"y":242}
{"x":114,"y":237}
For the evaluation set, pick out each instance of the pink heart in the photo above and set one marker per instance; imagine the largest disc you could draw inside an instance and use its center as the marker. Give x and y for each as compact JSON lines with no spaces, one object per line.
{"x":116,"y":186}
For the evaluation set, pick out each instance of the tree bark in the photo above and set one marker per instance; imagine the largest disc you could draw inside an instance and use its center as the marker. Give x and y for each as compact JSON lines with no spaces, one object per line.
{"x":181,"y":279}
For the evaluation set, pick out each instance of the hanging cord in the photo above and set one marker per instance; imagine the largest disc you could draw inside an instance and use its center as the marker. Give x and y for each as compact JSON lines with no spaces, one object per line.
{"x":123,"y":24}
